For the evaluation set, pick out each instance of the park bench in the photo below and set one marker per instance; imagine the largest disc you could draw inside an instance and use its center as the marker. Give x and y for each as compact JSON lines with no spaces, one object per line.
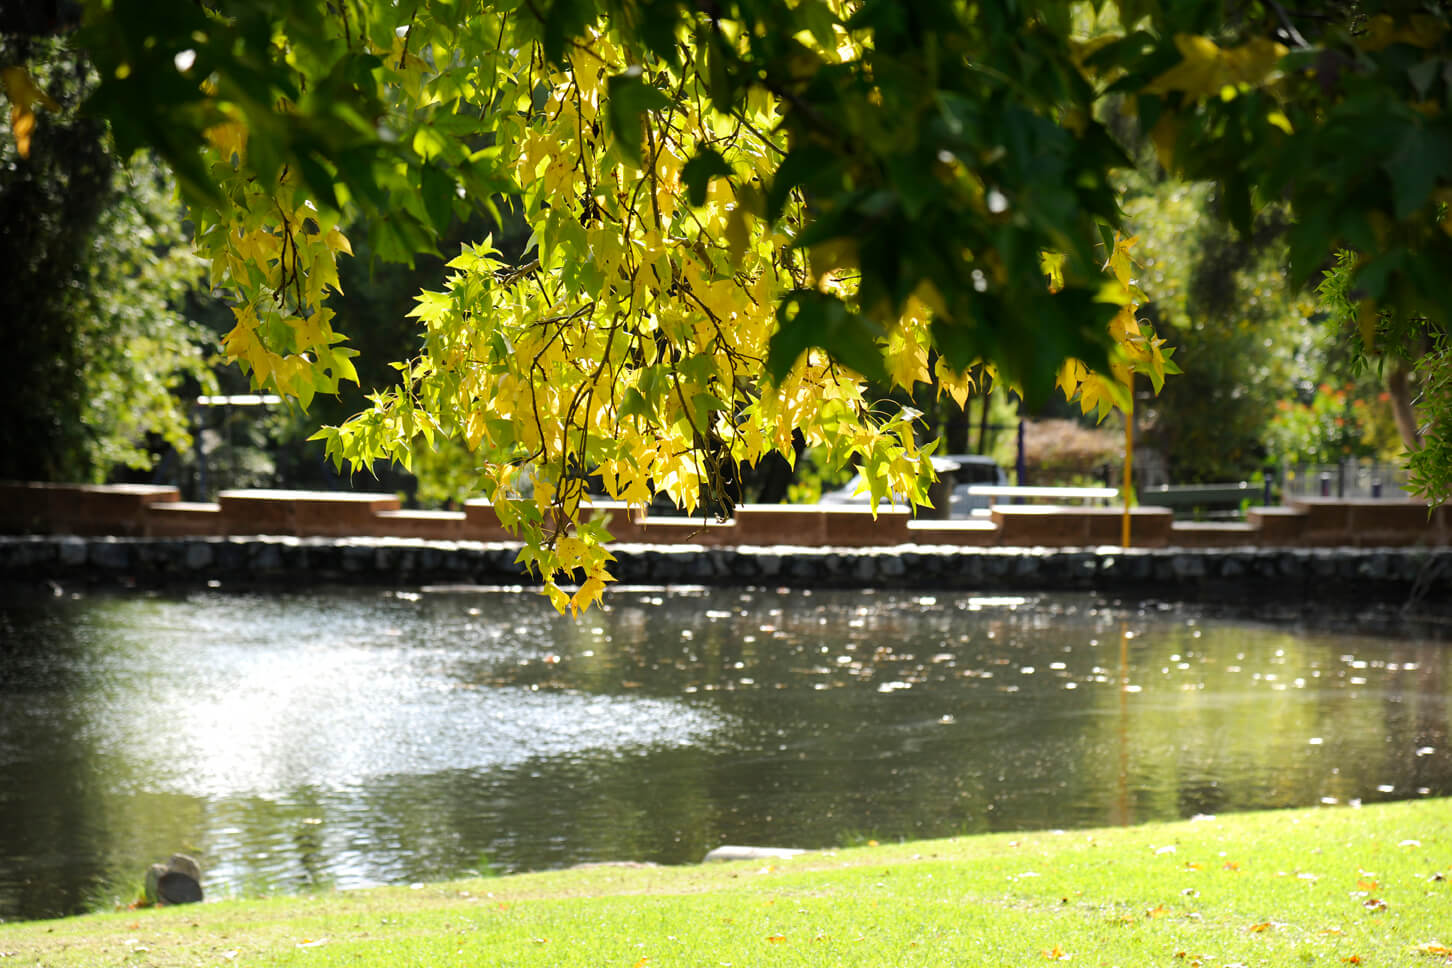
{"x":1031,"y":493}
{"x":1213,"y":499}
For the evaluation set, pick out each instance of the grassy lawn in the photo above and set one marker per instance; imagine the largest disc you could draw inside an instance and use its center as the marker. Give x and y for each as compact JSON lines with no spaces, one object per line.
{"x":1333,"y":886}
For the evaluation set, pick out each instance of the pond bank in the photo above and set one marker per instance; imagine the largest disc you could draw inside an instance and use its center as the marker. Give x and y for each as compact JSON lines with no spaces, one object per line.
{"x":1417,"y":576}
{"x":1331,"y":887}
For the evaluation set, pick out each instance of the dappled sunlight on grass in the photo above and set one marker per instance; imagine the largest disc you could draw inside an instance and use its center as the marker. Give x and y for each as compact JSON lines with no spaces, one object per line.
{"x":1330,"y":886}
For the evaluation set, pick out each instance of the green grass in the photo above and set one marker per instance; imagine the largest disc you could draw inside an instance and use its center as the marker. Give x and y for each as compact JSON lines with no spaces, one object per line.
{"x":1334,"y":886}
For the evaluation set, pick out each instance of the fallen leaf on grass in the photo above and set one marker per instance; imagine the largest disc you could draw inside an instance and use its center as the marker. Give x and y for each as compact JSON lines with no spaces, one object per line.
{"x":776,"y":939}
{"x":1367,"y":885}
{"x":1352,"y":960}
{"x":1056,"y":953}
{"x":1432,"y":948}
{"x":308,"y":943}
{"x":1375,"y":904}
{"x":1158,"y":911}
{"x":1262,"y":926}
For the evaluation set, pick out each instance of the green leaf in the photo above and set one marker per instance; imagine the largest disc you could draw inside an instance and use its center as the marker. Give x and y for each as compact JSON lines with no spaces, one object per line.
{"x":718,"y":72}
{"x":630,"y":99}
{"x":439,"y":194}
{"x":824,"y":321}
{"x":820,"y":21}
{"x":698,"y":172}
{"x":634,"y":404}
{"x":1237,"y":204}
{"x":562,"y":20}
{"x":658,"y":21}
{"x":808,"y":164}
{"x":1421,"y":158}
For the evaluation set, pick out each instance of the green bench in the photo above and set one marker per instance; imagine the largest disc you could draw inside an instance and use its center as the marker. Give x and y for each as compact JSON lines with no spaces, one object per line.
{"x":1215,"y":499}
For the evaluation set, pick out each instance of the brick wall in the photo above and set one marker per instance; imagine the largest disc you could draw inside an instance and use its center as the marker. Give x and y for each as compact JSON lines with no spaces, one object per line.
{"x":147,"y":511}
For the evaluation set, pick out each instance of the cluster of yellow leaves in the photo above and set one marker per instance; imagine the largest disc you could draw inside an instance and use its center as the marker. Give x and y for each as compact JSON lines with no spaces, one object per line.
{"x":1135,"y":348}
{"x":1208,"y":70}
{"x":276,"y":253}
{"x":630,"y":340}
{"x":24,"y":95}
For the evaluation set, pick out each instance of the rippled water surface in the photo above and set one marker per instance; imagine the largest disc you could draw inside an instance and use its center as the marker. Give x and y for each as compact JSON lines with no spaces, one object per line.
{"x":354,"y":737}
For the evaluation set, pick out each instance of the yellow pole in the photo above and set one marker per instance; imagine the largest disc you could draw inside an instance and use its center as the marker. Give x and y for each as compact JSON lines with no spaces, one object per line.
{"x":1127,"y":490}
{"x":1121,"y":813}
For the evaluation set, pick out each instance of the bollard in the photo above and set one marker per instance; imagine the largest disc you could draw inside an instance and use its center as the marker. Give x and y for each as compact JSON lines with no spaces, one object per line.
{"x":1325,"y":484}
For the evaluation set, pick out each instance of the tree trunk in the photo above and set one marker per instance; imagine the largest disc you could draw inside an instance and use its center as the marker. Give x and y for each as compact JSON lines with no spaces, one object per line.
{"x":1398,"y":384}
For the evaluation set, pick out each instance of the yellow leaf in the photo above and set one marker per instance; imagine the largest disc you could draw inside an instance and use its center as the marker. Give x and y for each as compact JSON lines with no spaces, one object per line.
{"x":558,"y":597}
{"x":1120,"y":263}
{"x":1420,"y":30}
{"x":22,"y":123}
{"x":738,"y":235}
{"x":1052,"y":264}
{"x":24,"y":95}
{"x":1366,"y":323}
{"x":588,"y":594}
{"x":337,"y":241}
{"x":1206,"y":69}
{"x":22,"y":90}
{"x":228,"y":138}
{"x":957,"y":386}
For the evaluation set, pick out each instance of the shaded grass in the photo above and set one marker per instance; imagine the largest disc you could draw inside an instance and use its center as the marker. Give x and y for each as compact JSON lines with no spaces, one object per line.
{"x":1369,"y":886}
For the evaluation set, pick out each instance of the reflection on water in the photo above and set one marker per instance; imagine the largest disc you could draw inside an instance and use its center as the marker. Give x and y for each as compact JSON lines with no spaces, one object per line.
{"x":354,"y":737}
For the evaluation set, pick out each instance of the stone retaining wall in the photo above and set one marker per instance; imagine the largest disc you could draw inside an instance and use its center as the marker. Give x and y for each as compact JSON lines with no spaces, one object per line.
{"x":1294,"y":576}
{"x":146,"y":511}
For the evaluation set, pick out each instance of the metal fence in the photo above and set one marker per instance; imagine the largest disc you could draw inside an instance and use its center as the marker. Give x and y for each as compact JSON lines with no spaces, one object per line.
{"x":1351,"y":478}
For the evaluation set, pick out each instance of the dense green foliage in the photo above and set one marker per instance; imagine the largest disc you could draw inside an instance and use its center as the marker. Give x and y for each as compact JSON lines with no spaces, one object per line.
{"x":98,"y":267}
{"x":1408,"y":355}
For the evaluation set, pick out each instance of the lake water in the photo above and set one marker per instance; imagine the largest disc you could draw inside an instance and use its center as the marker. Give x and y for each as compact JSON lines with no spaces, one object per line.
{"x":353,"y":737}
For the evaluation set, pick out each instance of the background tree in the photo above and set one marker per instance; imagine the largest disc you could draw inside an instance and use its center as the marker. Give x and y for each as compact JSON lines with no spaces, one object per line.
{"x":1406,"y":356}
{"x":97,"y":265}
{"x":1221,"y":299}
